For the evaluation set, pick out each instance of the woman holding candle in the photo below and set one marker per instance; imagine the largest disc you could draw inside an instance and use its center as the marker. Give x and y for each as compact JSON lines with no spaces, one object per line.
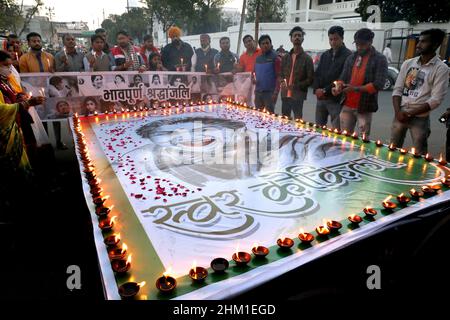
{"x":11,"y":92}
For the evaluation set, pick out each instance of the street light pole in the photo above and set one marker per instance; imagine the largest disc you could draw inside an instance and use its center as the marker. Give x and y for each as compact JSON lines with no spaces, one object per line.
{"x":241,"y":26}
{"x":50,"y":17}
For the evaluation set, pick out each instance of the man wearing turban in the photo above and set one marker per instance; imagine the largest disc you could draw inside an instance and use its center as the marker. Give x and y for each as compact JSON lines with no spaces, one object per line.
{"x":177,"y":55}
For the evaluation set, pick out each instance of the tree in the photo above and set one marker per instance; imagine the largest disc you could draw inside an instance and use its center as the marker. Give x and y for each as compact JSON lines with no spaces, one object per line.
{"x":172,"y":12}
{"x":413,"y":11}
{"x":193,"y":16}
{"x":270,"y":10}
{"x":15,"y":18}
{"x":135,"y":22}
{"x":208,"y":17}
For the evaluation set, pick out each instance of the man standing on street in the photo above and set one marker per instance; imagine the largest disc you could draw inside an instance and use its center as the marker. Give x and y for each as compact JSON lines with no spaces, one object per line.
{"x":69,"y":59}
{"x":363,"y":75}
{"x":297,"y":74}
{"x":420,"y":87}
{"x":329,"y":69}
{"x":267,"y":73}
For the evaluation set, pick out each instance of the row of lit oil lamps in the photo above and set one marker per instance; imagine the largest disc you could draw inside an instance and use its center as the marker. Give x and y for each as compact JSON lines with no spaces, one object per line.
{"x":121,"y":260}
{"x":198,"y":274}
{"x":354,"y":135}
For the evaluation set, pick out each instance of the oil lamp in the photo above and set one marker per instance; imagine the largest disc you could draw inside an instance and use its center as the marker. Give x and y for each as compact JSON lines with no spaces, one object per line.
{"x":402,"y":199}
{"x":285,"y":243}
{"x":416,"y":193}
{"x":354,"y":218}
{"x":219,"y":265}
{"x":260,"y":251}
{"x":241,"y":258}
{"x":442,"y":161}
{"x":118,"y":253}
{"x":130,"y":289}
{"x":334,"y":225}
{"x":112,"y":240}
{"x":370,"y":212}
{"x":389,"y":205}
{"x":365,"y":138}
{"x":323,"y":229}
{"x":106,"y":223}
{"x":166,"y":283}
{"x":305,"y":237}
{"x":121,"y":265}
{"x":428,"y":189}
{"x":415,"y":153}
{"x":198,"y":274}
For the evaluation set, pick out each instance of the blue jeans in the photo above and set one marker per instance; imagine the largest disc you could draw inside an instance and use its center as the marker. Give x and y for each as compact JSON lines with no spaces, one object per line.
{"x":263,"y":99}
{"x":419,"y":128}
{"x":289,"y":105}
{"x":331,"y":108}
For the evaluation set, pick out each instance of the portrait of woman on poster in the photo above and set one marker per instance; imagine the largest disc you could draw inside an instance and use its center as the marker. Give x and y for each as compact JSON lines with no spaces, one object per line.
{"x":89,"y":106}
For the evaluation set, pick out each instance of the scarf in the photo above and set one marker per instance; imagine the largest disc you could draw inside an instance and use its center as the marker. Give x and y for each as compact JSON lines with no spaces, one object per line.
{"x":132,"y":55}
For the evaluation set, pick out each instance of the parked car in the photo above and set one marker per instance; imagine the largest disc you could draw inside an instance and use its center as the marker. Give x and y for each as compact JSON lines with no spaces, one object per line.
{"x":391,"y":78}
{"x":315,"y":55}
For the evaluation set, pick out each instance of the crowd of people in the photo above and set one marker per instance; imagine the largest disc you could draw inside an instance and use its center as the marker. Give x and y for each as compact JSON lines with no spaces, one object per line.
{"x":346,"y":83}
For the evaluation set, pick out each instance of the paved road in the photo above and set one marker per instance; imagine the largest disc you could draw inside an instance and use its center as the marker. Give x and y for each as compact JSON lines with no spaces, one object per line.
{"x":382,"y":120}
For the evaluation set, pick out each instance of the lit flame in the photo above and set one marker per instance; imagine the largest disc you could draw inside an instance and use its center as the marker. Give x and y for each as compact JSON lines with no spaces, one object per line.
{"x":124,"y":247}
{"x":167,"y":272}
{"x":112,"y":220}
{"x":387,"y":199}
{"x":413,"y":190}
{"x":352,"y":216}
{"x":302,"y":231}
{"x":378,"y":141}
{"x":141,"y":284}
{"x":194,"y":265}
{"x":255,"y":245}
{"x":413,"y":150}
{"x":401,"y":195}
{"x":344,"y":132}
{"x":129,"y":259}
{"x":117,"y":236}
{"x":440,"y":158}
{"x":427,"y":156}
{"x":391,"y":145}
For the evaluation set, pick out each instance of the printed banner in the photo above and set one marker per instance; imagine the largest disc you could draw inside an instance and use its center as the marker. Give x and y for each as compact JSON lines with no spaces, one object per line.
{"x":87,"y":93}
{"x":269,"y":179}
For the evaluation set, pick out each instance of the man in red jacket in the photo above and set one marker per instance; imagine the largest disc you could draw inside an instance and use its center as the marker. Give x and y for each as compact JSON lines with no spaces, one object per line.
{"x":147,"y":49}
{"x":127,"y":56}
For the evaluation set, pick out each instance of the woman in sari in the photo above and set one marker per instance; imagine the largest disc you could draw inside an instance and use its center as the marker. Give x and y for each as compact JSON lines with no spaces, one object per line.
{"x":13,"y":155}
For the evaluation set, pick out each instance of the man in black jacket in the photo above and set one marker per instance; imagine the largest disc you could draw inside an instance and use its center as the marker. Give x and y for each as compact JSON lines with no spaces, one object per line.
{"x":363,"y":75}
{"x":329,"y":69}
